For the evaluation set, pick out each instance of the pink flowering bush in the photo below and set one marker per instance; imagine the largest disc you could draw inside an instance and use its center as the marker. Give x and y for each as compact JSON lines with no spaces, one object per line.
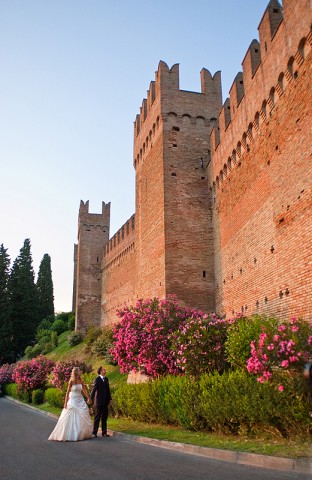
{"x":242,"y":331}
{"x":32,"y":374}
{"x":199,"y":344}
{"x":283,"y":350}
{"x":142,"y":339}
{"x":6,"y":372}
{"x":61,"y":371}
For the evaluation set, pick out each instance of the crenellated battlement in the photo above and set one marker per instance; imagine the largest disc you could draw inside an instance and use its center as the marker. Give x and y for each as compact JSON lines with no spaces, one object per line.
{"x":120,"y":237}
{"x":268,"y":67}
{"x":93,"y":221}
{"x":165,"y":100}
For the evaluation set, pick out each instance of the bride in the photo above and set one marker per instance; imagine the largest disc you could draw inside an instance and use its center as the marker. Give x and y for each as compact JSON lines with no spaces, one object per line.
{"x":75,"y":421}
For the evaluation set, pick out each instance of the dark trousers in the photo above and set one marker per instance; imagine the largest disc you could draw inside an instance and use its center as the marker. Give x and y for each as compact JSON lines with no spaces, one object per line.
{"x":101,"y":414}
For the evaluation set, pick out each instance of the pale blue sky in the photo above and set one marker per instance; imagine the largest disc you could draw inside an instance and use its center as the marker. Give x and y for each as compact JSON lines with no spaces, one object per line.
{"x":73,"y":74}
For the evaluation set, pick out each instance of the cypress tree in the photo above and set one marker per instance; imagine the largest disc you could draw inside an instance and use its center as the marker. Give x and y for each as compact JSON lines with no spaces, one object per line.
{"x":6,"y":331}
{"x":45,"y":288}
{"x":23,"y":297}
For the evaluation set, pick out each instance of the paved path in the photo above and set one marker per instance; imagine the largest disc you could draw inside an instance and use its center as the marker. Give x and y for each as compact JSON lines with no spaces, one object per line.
{"x":25,"y":453}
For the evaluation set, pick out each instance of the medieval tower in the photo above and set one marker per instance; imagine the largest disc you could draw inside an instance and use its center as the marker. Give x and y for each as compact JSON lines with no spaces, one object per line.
{"x":223,"y":191}
{"x":172,"y":199}
{"x":93,"y":234}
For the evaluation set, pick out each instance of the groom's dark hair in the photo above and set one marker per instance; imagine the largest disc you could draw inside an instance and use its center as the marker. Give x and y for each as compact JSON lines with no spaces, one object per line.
{"x":99,"y":370}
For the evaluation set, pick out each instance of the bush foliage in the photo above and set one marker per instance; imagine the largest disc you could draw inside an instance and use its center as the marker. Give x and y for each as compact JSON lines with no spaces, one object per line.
{"x":55,"y":397}
{"x":6,"y":373}
{"x":233,"y":402}
{"x":75,"y":338}
{"x":32,"y":374}
{"x":37,"y":396}
{"x":62,"y":370}
{"x":143,"y":337}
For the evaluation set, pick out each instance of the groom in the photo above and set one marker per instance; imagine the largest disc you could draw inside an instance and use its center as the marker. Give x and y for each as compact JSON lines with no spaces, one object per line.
{"x":101,"y":397}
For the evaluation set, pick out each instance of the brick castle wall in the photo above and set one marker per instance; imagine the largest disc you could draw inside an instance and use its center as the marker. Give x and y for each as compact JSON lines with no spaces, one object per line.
{"x":118,"y":272}
{"x":223,"y":193}
{"x":259,"y":175}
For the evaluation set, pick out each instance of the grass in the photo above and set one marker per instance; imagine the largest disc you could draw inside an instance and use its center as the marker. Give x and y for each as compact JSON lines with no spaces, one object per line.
{"x":300,"y":448}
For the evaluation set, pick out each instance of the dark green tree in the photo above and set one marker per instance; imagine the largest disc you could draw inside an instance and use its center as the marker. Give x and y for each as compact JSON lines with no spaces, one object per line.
{"x":6,"y":330}
{"x":23,"y":299}
{"x":45,"y":288}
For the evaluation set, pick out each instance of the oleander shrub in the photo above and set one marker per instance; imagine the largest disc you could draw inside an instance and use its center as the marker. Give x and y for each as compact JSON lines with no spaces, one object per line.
{"x":6,"y":373}
{"x":199,"y":344}
{"x":241,"y":333}
{"x":281,"y":351}
{"x":37,"y":396}
{"x":32,"y":374}
{"x":143,"y":337}
{"x":55,"y":397}
{"x":62,"y":370}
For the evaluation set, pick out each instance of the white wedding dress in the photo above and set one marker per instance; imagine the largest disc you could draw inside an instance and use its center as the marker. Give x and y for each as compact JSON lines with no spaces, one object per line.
{"x":75,"y":421}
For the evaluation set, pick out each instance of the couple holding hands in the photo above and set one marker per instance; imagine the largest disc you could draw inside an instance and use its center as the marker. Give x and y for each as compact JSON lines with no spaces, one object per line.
{"x":75,"y":421}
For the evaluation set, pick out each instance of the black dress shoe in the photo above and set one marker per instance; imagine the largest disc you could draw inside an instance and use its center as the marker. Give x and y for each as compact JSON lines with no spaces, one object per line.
{"x":94,"y":435}
{"x":105,"y":434}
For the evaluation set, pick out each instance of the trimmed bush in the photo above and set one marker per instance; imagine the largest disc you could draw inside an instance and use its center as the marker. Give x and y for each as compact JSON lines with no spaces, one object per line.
{"x":55,"y":397}
{"x":10,"y":389}
{"x":233,"y":402}
{"x":236,"y":403}
{"x":139,"y":402}
{"x":37,"y":396}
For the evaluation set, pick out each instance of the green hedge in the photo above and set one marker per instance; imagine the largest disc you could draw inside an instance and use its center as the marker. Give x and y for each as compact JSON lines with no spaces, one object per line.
{"x":55,"y":397}
{"x":230,"y":403}
{"x":11,"y":390}
{"x":37,"y":396}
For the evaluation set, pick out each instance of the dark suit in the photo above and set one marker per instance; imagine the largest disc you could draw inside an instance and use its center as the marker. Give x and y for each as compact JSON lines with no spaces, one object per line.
{"x":100,"y":396}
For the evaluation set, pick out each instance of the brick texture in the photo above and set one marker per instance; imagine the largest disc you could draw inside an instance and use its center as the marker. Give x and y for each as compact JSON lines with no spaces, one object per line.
{"x":223,"y":192}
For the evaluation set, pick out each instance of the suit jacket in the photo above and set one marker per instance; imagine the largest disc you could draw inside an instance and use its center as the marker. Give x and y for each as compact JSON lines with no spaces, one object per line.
{"x":100,"y":393}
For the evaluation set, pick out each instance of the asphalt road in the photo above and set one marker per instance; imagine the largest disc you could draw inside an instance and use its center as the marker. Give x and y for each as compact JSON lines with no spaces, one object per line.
{"x":26,"y":453}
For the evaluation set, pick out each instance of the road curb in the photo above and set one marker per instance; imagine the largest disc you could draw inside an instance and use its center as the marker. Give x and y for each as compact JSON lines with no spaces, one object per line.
{"x":301,"y":465}
{"x":242,"y":458}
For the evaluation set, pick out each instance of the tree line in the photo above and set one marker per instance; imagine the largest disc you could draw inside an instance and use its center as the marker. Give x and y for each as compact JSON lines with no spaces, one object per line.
{"x":24,"y":303}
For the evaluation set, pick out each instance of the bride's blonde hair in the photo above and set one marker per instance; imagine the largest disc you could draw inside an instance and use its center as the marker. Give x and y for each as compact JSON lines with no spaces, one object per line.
{"x":75,"y":375}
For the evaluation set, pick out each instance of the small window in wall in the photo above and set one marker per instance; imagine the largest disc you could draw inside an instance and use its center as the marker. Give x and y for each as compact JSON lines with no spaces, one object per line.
{"x":204,"y":273}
